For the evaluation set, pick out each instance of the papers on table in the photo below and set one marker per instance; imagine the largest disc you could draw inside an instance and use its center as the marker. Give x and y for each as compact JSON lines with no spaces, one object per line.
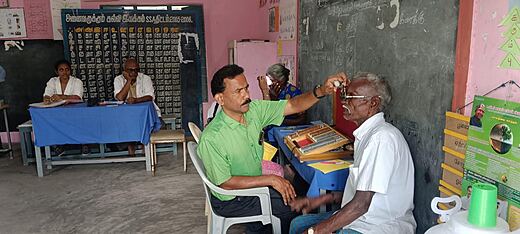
{"x":110,"y":103}
{"x":46,"y":105}
{"x":54,"y":104}
{"x":269,"y":151}
{"x":331,"y":165}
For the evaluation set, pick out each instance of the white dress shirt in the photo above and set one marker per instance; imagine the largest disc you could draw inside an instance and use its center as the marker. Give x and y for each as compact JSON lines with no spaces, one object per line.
{"x":382,"y":164}
{"x":144,"y":87}
{"x":74,"y":87}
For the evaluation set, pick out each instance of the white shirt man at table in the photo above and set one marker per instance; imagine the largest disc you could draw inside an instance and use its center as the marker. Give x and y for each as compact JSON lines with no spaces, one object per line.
{"x":378,"y":195}
{"x":134,"y":87}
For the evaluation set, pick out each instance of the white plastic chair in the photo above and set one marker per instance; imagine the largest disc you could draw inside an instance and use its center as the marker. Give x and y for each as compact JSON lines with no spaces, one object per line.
{"x":195,"y":131}
{"x":220,"y":224}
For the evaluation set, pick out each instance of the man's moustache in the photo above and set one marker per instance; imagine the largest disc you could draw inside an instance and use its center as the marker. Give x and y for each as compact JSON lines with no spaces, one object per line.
{"x":247,"y":101}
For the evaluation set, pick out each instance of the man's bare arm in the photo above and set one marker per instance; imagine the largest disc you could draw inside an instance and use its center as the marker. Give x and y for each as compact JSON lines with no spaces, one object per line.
{"x":280,"y":184}
{"x":347,"y":214}
{"x":303,"y":102}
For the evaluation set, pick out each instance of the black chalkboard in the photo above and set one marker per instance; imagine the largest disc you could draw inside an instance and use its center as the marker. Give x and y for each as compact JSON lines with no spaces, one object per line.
{"x":412,"y":43}
{"x":27,"y":72}
{"x":167,"y":44}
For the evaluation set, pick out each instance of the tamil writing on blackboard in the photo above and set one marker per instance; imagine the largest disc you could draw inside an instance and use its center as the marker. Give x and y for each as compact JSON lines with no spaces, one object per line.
{"x":127,"y":18}
{"x":417,"y":18}
{"x":387,"y":12}
{"x":354,"y":6}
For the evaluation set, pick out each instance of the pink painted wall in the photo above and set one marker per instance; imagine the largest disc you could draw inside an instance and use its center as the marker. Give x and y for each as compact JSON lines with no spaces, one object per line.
{"x":485,"y":54}
{"x":224,"y":20}
{"x":255,"y":58}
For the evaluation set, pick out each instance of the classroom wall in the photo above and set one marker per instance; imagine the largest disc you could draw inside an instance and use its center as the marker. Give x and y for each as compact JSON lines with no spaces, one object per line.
{"x":224,"y":20}
{"x":485,"y":54}
{"x":260,"y":30}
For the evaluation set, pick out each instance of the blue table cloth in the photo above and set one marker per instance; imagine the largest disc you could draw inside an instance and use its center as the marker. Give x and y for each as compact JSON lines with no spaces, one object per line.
{"x":333,"y":181}
{"x":79,"y":124}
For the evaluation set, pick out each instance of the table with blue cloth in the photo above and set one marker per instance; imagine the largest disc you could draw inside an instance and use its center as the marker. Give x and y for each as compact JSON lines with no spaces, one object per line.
{"x":80,"y":124}
{"x":319,"y":182}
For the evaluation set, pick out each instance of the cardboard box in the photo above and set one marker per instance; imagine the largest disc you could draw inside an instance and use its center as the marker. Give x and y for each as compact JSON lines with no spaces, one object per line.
{"x":457,"y":123}
{"x":453,"y":158}
{"x":513,"y":217}
{"x":451,"y":176}
{"x":451,"y":188}
{"x":455,"y":141}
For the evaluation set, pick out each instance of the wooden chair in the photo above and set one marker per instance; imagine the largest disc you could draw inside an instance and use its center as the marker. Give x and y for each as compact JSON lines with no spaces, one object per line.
{"x":166,"y":136}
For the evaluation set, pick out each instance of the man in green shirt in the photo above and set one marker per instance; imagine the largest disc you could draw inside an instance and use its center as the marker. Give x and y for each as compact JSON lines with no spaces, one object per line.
{"x":231,"y":149}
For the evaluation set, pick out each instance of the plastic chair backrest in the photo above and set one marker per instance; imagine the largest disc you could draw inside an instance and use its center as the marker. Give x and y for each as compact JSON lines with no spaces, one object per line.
{"x":195,"y":131}
{"x":261,"y":192}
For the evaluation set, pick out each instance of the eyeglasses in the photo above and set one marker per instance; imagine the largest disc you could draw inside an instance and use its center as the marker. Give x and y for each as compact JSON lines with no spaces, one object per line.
{"x":261,"y":137}
{"x":346,"y":97}
{"x":132,"y":70}
{"x":357,"y":96}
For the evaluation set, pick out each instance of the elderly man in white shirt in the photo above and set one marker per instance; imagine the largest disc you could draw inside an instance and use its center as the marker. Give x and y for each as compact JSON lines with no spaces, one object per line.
{"x":64,"y":86}
{"x":133,"y":86}
{"x":378,"y":195}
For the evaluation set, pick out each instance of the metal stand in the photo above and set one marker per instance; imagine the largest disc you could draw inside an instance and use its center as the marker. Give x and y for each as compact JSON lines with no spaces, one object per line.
{"x":6,"y":121}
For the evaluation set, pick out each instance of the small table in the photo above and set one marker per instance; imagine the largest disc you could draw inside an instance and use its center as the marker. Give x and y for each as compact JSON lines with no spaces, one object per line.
{"x":318,"y":181}
{"x":79,"y":124}
{"x":26,"y":143}
{"x":4,"y":108}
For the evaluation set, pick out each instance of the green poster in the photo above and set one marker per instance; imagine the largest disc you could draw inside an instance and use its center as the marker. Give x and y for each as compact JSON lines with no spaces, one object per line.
{"x":493,"y":147}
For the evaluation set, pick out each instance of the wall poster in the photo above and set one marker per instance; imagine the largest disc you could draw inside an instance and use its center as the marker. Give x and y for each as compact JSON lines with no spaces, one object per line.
{"x":12,"y":23}
{"x":274,"y":17}
{"x":493,"y":151}
{"x":288,"y":19}
{"x":493,"y":147}
{"x":4,"y":3}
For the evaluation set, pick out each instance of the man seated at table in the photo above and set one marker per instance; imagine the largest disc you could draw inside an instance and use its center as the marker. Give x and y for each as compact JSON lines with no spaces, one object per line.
{"x":232,"y":151}
{"x":134,"y":87}
{"x":378,"y":195}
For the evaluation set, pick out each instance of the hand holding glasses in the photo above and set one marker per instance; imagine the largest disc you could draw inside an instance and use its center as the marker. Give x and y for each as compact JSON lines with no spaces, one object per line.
{"x":344,"y":96}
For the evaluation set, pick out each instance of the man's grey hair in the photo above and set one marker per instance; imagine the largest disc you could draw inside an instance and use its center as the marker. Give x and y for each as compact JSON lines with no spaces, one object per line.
{"x":379,"y":84}
{"x":279,"y":72}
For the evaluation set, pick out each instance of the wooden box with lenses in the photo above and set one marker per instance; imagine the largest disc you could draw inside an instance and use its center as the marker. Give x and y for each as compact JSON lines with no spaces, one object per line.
{"x":319,"y":142}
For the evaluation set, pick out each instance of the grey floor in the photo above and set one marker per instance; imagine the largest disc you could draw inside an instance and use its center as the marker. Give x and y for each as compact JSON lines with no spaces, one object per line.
{"x":102,"y":198}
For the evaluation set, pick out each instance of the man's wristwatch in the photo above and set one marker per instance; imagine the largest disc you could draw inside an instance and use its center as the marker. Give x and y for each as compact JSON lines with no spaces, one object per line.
{"x":310,"y":230}
{"x":314,"y":92}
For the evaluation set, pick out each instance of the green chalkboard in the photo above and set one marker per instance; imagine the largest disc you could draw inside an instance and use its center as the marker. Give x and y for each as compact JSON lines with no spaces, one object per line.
{"x":412,"y":44}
